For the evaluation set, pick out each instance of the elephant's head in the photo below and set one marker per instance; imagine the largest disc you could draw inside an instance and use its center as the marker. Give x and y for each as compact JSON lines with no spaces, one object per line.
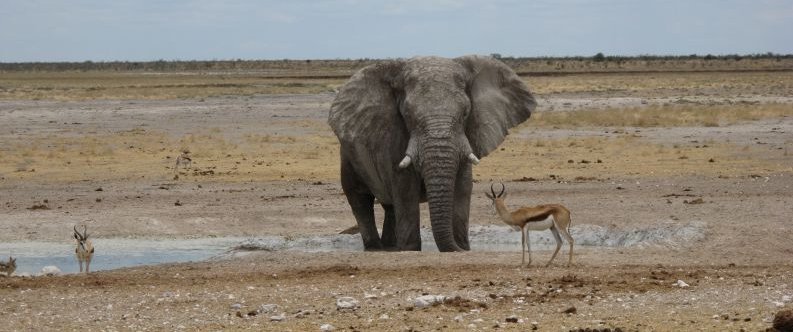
{"x":452,"y":111}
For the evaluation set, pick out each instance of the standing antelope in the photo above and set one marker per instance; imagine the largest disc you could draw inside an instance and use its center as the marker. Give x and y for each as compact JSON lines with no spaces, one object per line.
{"x":541,"y":217}
{"x":9,"y":267}
{"x":183,"y":160}
{"x":85,"y":249}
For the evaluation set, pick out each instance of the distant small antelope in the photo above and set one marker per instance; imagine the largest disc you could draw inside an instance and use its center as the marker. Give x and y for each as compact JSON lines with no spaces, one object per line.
{"x":541,"y":217}
{"x":183,"y":160}
{"x":85,"y":249}
{"x":9,"y":267}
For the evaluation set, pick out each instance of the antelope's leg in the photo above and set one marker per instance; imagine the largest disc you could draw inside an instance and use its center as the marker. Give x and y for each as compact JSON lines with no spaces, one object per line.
{"x":528,"y":244}
{"x":569,"y":239}
{"x":558,"y":238}
{"x":522,"y":248}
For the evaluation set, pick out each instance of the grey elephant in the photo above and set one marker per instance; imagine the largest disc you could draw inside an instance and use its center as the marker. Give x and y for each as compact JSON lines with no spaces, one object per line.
{"x":409,"y":131}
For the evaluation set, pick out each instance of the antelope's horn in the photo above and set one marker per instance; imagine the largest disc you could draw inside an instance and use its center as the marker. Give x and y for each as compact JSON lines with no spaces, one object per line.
{"x":77,"y":234}
{"x":493,"y":191}
{"x":503,"y":188}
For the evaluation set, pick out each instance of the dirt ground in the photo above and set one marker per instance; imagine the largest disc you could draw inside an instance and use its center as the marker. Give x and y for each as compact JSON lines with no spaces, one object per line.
{"x":267,"y":165}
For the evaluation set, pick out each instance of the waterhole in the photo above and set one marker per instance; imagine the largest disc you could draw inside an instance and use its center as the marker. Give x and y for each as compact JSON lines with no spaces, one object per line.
{"x":118,"y":253}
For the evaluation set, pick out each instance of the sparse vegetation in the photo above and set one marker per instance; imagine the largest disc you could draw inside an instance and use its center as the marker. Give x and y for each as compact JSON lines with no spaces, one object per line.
{"x":687,"y":115}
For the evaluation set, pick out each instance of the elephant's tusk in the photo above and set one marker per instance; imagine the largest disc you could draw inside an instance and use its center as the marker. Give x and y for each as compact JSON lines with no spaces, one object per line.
{"x":405,"y":162}
{"x":473,"y":159}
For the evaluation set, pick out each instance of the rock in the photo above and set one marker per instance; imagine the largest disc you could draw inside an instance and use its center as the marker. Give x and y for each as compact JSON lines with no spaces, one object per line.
{"x":681,"y":284}
{"x":50,"y":270}
{"x":236,"y":306}
{"x":783,"y":320}
{"x":787,"y":299}
{"x":570,"y":310}
{"x":778,"y":304}
{"x":326,"y":327}
{"x":512,"y":319}
{"x":267,"y":308}
{"x":384,"y":317}
{"x":428,"y":300}
{"x":278,"y":318}
{"x":346,"y":303}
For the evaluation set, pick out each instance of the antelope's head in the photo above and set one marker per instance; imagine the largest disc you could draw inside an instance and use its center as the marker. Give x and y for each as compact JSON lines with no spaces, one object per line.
{"x":497,"y":198}
{"x":12,"y":263}
{"x":82,"y":239}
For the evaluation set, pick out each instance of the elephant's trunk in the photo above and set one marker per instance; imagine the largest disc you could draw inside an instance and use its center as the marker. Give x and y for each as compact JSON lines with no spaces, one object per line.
{"x":439,"y":170}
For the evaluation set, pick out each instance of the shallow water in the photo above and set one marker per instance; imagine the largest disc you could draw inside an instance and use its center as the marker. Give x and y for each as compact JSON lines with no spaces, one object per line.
{"x":114,"y":253}
{"x":118,"y":253}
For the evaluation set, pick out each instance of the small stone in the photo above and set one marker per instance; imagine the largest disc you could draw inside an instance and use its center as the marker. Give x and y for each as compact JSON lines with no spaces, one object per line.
{"x":787,"y":299}
{"x":236,"y":306}
{"x":783,"y":320}
{"x":346,"y":303}
{"x":778,"y":304}
{"x":267,"y":308}
{"x":512,"y":319}
{"x":570,"y":310}
{"x":326,"y":327}
{"x":458,"y":318}
{"x":428,"y":300}
{"x":278,"y":318}
{"x":681,"y":284}
{"x":384,"y":317}
{"x":50,"y":270}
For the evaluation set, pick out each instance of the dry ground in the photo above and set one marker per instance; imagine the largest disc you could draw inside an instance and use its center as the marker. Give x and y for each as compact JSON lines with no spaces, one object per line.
{"x":604,"y":145}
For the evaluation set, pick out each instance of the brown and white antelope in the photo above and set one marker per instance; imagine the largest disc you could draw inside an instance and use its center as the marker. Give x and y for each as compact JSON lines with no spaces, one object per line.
{"x":85,"y":249}
{"x":9,"y":267}
{"x":539,"y":218}
{"x":183,"y":160}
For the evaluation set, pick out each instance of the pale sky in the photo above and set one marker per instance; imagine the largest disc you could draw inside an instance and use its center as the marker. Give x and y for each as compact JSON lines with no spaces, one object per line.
{"x":143,"y":30}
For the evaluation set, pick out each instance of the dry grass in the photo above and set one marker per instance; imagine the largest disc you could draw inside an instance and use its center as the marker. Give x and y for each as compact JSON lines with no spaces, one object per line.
{"x":151,"y":155}
{"x":681,"y":115}
{"x":666,"y":84}
{"x":600,"y":158}
{"x":142,"y":154}
{"x":69,"y":86}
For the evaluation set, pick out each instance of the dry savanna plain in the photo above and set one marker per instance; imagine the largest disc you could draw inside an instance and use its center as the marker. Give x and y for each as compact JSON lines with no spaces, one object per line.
{"x":634,"y":148}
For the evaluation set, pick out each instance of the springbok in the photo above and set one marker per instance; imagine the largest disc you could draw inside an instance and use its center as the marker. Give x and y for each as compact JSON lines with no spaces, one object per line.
{"x":183,"y":160}
{"x":541,"y":217}
{"x":85,"y":249}
{"x":9,"y":267}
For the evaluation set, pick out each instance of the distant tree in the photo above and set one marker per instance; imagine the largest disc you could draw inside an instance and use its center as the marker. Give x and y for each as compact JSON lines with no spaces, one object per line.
{"x":599,"y":57}
{"x":495,"y":55}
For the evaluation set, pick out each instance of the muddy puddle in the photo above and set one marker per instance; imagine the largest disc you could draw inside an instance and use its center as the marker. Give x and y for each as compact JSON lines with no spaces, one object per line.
{"x":118,"y":253}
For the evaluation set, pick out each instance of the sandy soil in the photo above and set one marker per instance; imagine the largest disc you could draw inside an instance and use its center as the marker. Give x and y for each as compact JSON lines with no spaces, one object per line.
{"x":734,"y":181}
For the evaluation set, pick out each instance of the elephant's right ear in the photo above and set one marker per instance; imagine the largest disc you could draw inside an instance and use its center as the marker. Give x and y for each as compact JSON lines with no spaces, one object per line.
{"x":367,"y":103}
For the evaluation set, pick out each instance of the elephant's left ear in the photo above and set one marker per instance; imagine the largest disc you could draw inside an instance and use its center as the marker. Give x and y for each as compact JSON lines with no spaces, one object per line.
{"x":499,"y":101}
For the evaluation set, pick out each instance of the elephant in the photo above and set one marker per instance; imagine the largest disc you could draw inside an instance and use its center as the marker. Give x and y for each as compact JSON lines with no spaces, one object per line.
{"x":410,"y":130}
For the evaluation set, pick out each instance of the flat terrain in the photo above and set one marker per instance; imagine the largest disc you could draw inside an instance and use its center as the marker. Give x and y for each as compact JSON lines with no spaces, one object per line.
{"x":626,"y":152}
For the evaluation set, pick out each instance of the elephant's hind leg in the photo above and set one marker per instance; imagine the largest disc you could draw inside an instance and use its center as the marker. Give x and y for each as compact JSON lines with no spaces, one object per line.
{"x":362,"y":204}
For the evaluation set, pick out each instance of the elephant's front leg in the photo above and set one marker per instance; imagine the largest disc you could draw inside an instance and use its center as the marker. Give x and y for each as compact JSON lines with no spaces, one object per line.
{"x":462,"y":206}
{"x":407,"y":194}
{"x":362,"y":204}
{"x":388,"y":238}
